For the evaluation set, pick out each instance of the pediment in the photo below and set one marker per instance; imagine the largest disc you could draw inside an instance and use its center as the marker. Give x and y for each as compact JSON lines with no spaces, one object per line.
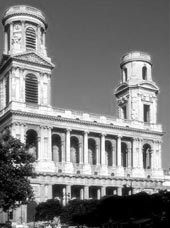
{"x":149,"y":85}
{"x":121,"y":87}
{"x":33,"y":58}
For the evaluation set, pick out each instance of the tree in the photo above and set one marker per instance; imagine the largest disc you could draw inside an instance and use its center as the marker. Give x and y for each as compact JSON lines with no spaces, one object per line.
{"x":16,"y":167}
{"x":46,"y":211}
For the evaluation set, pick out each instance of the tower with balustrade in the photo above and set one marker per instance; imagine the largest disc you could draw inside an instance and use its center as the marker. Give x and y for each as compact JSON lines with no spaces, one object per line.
{"x":78,"y":155}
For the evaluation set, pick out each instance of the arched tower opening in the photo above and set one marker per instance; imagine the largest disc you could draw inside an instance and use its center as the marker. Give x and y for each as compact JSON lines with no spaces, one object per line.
{"x":147,"y":156}
{"x":56,"y":148}
{"x":92,"y":151}
{"x":32,"y":142}
{"x":108,"y":150}
{"x":137,"y":93}
{"x":74,"y":149}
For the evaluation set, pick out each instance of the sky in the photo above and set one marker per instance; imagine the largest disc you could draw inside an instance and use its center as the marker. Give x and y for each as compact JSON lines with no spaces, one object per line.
{"x":86,"y":39}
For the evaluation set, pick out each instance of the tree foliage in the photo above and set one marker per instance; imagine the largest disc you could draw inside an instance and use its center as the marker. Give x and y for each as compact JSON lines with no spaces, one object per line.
{"x":16,"y":166}
{"x":46,"y":211}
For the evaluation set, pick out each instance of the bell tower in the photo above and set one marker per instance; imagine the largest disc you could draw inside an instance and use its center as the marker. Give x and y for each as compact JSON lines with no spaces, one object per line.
{"x":25,"y":68}
{"x":137,"y":93}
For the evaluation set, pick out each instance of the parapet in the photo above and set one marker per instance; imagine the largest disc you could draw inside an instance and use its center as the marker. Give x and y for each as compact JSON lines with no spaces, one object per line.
{"x":136,"y":56}
{"x":23,"y":10}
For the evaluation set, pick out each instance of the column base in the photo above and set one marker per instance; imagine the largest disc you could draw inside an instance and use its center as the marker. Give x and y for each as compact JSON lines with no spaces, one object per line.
{"x":68,"y":167}
{"x":120,"y":171}
{"x":138,"y":172}
{"x":87,"y":169}
{"x":104,"y":170}
{"x":157,"y":173}
{"x":44,"y":166}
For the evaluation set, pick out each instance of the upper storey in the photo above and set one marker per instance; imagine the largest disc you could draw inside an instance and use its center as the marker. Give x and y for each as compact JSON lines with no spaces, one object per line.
{"x":24,"y":30}
{"x":136,"y":66}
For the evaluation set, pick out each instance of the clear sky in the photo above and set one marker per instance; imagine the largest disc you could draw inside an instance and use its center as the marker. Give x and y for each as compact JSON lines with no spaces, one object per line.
{"x":86,"y":39}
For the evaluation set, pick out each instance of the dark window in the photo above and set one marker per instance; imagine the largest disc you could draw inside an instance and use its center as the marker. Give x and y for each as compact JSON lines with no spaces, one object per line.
{"x":124,"y":112}
{"x":125,"y":74}
{"x":32,"y":142}
{"x":144,"y":73}
{"x":31,"y":89}
{"x":7,"y":90}
{"x":30,"y":38}
{"x":146,"y":113}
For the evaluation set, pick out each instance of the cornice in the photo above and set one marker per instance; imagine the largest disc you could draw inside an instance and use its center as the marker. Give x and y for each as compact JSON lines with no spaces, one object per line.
{"x":83,"y":122}
{"x":116,"y":178}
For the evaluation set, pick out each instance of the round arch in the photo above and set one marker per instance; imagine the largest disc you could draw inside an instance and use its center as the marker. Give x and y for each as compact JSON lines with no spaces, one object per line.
{"x":74,"y":149}
{"x":32,"y":142}
{"x":147,"y":156}
{"x":124,"y":154}
{"x":56,"y":148}
{"x":92,"y":151}
{"x":108,"y":153}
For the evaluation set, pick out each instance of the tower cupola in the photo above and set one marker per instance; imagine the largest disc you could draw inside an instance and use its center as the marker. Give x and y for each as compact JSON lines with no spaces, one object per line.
{"x":24,"y":30}
{"x":136,"y":66}
{"x":137,"y":93}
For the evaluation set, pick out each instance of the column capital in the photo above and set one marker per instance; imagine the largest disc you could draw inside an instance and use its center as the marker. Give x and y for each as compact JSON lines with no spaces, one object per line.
{"x":68,"y":130}
{"x":86,"y":132}
{"x":119,"y":136}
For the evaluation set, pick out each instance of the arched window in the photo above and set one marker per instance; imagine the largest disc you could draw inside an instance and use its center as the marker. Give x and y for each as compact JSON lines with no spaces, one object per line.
{"x":124,"y":153}
{"x":144,"y":73}
{"x":30,"y":39}
{"x":92,"y":151}
{"x":32,"y":142}
{"x":125,"y":74}
{"x":56,"y":148}
{"x":108,"y":149}
{"x":146,"y":156}
{"x":31,"y":89}
{"x":74,"y":150}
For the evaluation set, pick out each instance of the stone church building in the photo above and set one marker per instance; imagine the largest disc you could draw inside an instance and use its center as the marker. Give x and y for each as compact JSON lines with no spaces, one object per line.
{"x":78,"y":155}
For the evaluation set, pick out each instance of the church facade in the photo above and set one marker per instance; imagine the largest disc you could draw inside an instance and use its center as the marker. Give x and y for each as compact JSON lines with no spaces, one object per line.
{"x":78,"y":155}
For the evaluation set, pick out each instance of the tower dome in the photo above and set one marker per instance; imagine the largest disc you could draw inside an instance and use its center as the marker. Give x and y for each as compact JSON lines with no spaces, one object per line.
{"x":136,"y":66}
{"x":25,"y":29}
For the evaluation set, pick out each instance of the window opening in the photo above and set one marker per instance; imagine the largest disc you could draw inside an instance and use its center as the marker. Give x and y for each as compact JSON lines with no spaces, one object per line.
{"x":144,"y":73}
{"x":30,"y":38}
{"x":124,"y":112}
{"x":146,"y":113}
{"x":31,"y":89}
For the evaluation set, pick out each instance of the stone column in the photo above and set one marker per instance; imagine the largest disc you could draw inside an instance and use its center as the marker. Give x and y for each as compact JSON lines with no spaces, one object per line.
{"x":81,"y":193}
{"x":80,"y":153}
{"x":64,"y":196}
{"x":38,"y":38}
{"x":97,"y":154}
{"x":49,"y":144}
{"x":98,"y":193}
{"x":86,"y":192}
{"x":119,"y":151}
{"x":129,"y":155}
{"x":11,"y":35}
{"x":135,"y":152}
{"x":140,"y":161}
{"x":42,"y":193}
{"x":23,"y":36}
{"x":159,"y":155}
{"x":68,"y":145}
{"x":119,"y":191}
{"x":68,"y":193}
{"x":103,"y":191}
{"x":113,"y":154}
{"x":5,"y":42}
{"x":62,"y":151}
{"x":40,"y":152}
{"x":103,"y":155}
{"x":85,"y":147}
